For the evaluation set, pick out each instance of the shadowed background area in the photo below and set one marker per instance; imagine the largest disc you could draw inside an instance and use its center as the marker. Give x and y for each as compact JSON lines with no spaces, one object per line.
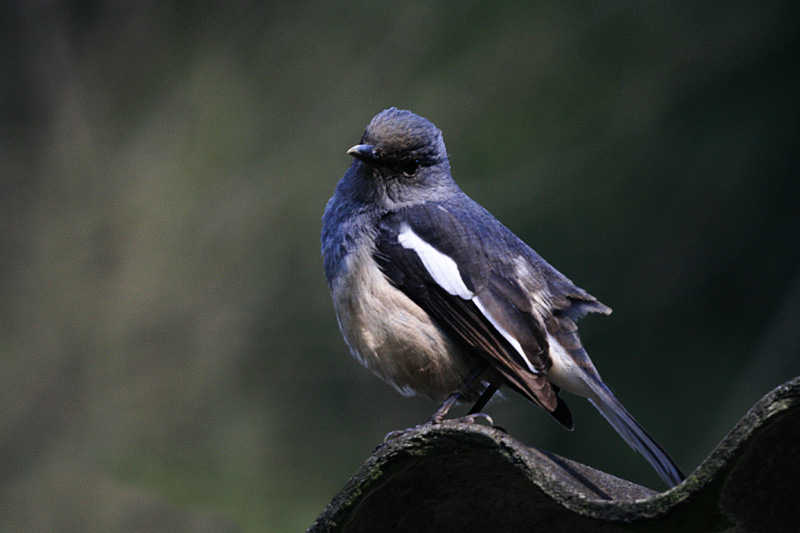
{"x":169,"y":357}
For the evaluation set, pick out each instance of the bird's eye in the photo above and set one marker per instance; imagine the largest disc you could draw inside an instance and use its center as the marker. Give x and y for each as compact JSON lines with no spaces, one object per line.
{"x":410,"y":168}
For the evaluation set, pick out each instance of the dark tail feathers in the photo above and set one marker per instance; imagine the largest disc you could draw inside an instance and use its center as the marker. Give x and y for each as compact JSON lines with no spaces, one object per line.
{"x":634,"y":434}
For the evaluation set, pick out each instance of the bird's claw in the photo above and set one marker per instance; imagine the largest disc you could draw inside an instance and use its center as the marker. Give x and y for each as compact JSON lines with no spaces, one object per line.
{"x":469,"y":419}
{"x":393,"y":435}
{"x":436,"y":420}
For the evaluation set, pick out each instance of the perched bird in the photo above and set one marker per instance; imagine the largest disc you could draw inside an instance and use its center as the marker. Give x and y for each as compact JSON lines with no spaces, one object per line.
{"x":438,"y":298}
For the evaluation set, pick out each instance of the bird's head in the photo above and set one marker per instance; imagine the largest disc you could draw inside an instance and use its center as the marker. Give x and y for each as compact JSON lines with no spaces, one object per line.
{"x":403,"y":156}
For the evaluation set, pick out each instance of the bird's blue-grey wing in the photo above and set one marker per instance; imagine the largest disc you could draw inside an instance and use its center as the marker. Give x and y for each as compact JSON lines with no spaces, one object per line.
{"x":443,"y":261}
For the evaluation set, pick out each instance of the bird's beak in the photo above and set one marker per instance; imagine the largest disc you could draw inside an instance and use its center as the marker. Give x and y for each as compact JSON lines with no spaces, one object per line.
{"x":363,"y":152}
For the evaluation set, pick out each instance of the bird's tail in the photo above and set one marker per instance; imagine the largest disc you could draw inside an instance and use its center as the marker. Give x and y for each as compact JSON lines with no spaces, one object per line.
{"x":633,"y":433}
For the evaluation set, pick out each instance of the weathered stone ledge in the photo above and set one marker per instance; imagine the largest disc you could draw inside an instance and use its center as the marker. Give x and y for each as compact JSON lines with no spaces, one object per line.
{"x":471,"y":477}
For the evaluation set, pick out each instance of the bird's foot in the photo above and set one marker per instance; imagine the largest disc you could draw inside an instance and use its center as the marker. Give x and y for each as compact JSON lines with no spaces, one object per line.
{"x":393,"y":435}
{"x":435,"y":420}
{"x":469,"y":419}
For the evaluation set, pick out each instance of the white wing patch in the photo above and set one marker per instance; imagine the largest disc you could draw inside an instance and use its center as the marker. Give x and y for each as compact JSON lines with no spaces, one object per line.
{"x":445,"y":273}
{"x":442,"y":268}
{"x":514,"y":342}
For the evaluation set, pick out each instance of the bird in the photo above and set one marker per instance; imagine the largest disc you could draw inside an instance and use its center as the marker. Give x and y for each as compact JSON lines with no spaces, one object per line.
{"x":440,"y":299}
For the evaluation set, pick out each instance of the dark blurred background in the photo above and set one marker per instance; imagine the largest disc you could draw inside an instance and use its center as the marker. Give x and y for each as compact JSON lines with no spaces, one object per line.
{"x":169,"y":357}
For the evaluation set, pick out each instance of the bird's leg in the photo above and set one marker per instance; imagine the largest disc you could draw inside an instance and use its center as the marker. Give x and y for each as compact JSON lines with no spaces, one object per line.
{"x":483,"y":400}
{"x":441,"y":412}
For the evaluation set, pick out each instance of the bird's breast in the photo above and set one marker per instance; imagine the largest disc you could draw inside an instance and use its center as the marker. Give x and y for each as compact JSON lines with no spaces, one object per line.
{"x":392,"y":335}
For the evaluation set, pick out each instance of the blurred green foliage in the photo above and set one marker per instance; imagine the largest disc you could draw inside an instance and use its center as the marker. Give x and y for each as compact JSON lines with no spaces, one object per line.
{"x":169,"y":358}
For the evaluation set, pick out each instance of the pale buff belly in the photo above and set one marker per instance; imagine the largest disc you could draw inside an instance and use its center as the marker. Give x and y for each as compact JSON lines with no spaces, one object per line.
{"x":395,"y":338}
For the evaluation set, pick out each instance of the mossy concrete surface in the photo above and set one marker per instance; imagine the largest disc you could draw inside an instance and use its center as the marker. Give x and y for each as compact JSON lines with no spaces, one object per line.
{"x":471,"y":477}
